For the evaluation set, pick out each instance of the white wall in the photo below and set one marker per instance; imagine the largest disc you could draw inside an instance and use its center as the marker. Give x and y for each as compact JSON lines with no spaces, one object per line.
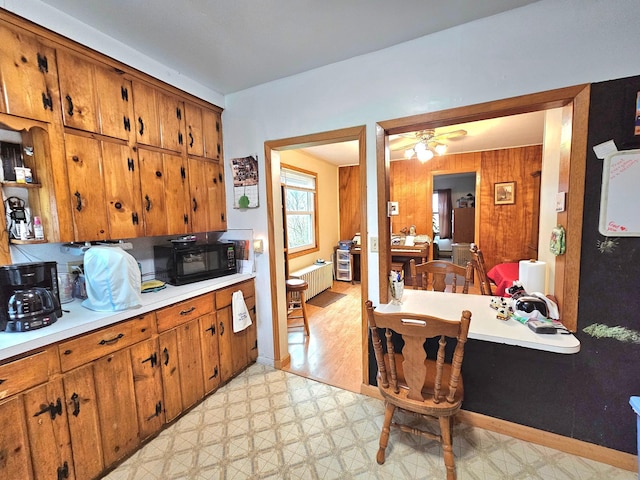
{"x":549,"y":44}
{"x":545,"y":45}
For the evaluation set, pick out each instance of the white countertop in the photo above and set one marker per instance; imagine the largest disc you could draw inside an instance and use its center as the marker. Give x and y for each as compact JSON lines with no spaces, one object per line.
{"x":81,"y":320}
{"x":484,"y":324}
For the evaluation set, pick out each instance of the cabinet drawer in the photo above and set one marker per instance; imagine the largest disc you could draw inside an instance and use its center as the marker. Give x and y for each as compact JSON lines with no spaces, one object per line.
{"x":103,"y":342}
{"x":223,"y":297}
{"x":27,"y":372}
{"x":182,"y":312}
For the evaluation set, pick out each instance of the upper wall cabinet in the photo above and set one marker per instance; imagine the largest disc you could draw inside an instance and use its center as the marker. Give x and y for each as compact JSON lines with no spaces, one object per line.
{"x":29,"y":76}
{"x":204,"y":132}
{"x":94,"y":98}
{"x":159,"y":118}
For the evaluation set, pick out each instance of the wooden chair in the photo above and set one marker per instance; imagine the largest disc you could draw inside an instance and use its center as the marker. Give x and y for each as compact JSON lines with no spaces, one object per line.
{"x":481,"y":270}
{"x":435,"y":274}
{"x":296,"y":303}
{"x":412,"y":382}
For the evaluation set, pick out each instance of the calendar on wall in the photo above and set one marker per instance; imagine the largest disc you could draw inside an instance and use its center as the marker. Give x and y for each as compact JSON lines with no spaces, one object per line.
{"x":245,"y":182}
{"x":620,"y":179}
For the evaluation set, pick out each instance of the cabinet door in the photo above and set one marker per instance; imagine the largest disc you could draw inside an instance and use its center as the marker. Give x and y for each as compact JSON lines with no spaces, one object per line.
{"x":48,"y":429}
{"x":146,"y":120}
{"x":171,"y":116}
{"x":190,"y":363}
{"x":147,"y":382}
{"x":252,"y":331}
{"x":154,"y":194}
{"x":29,"y":78}
{"x":199,"y":187}
{"x":195,"y":139}
{"x":84,"y":425}
{"x":116,"y":402}
{"x":87,"y":191}
{"x":114,"y":105}
{"x":170,"y":374}
{"x":78,"y":92}
{"x":122,"y":191}
{"x":212,"y":134}
{"x":217,"y":203}
{"x":14,"y":445}
{"x":177,"y":194}
{"x":210,"y":357}
{"x":233,"y":346}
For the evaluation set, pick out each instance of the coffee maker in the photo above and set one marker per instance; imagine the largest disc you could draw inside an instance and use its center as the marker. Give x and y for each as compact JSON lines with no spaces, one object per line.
{"x":29,"y":296}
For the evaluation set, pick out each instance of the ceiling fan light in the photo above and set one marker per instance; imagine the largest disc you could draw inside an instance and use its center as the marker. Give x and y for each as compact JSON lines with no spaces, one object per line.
{"x":408,"y":153}
{"x":441,"y":149}
{"x":420,"y":147}
{"x":425,"y":155}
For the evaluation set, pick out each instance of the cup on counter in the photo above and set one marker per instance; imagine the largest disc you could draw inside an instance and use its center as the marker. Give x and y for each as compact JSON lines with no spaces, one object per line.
{"x":65,"y":287}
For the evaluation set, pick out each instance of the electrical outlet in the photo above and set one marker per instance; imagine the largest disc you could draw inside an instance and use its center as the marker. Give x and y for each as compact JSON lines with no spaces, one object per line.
{"x":374,"y":244}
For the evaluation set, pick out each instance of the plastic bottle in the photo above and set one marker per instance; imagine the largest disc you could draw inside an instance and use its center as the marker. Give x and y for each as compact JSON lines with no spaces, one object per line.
{"x":38,"y":230}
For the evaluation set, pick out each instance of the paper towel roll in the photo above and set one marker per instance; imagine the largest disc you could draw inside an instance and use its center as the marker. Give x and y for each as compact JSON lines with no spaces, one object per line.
{"x":532,"y":275}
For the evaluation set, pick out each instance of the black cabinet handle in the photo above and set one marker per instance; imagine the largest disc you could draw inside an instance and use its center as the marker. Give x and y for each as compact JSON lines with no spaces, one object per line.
{"x":63,"y":471}
{"x":215,"y":373}
{"x":153,"y":359}
{"x":180,"y":138}
{"x":125,"y":93}
{"x":112,"y":340}
{"x":183,"y":173}
{"x":221,"y":328}
{"x":141,"y":123}
{"x":52,"y":409}
{"x":134,"y":218}
{"x":195,"y":205}
{"x":186,"y":219}
{"x":131,"y":166}
{"x":190,"y":140}
{"x":127,"y":124}
{"x":178,"y":113}
{"x":165,"y":353}
{"x":47,"y":102}
{"x":43,"y":63}
{"x":157,"y":412}
{"x":148,"y":200}
{"x":69,"y":105}
{"x":78,"y":201}
{"x":187,"y":311}
{"x":76,"y":404}
{"x":211,"y":329}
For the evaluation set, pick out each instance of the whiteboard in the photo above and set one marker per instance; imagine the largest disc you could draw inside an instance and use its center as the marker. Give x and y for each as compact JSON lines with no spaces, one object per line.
{"x":619,"y":216}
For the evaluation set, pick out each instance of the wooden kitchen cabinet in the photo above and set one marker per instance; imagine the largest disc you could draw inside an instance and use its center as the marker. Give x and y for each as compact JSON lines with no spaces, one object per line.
{"x":147,"y":382}
{"x":165,"y":193}
{"x":29,"y":76}
{"x":210,"y":352}
{"x":94,"y":97}
{"x":159,"y":117}
{"x":236,"y":349}
{"x":194,"y":130}
{"x":14,"y":441}
{"x":208,"y":203}
{"x":105,"y":189}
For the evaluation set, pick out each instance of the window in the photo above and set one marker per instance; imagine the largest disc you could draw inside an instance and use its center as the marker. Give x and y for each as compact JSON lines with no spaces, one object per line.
{"x":300,"y":210}
{"x":436,"y":215}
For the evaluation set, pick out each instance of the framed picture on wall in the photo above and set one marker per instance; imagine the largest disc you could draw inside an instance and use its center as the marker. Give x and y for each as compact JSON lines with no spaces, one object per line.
{"x":504,"y":193}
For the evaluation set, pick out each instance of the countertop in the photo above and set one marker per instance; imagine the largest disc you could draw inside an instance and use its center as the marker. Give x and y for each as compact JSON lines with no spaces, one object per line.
{"x":81,"y":320}
{"x":484,"y":324}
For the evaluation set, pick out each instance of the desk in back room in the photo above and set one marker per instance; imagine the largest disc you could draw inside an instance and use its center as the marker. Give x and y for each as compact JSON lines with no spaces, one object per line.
{"x":399,"y":253}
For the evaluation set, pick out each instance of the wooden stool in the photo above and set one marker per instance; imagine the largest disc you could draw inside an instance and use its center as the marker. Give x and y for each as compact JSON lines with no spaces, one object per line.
{"x":296,"y":288}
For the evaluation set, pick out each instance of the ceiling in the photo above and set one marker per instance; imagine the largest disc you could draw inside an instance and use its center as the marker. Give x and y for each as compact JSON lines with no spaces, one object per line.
{"x":231,"y":45}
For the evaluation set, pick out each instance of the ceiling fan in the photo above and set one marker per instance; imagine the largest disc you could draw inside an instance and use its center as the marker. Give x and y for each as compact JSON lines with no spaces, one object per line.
{"x":425,"y":144}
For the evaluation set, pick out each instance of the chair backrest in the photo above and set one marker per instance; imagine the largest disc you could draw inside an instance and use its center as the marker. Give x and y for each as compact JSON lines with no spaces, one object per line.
{"x":481,"y":270}
{"x":435,"y":274}
{"x":409,"y":366}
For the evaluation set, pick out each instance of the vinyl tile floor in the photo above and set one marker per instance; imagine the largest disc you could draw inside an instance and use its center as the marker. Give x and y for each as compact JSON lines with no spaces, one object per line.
{"x":270,"y":424}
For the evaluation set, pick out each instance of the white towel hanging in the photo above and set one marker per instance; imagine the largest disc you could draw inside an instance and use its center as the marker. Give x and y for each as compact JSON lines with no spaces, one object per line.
{"x":241,"y":317}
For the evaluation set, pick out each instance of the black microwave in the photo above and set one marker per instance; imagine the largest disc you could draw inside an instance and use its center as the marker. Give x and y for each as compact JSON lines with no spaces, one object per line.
{"x":179,"y":265}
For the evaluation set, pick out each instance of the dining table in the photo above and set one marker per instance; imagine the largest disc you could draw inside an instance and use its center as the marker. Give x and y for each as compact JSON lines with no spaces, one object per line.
{"x":484,"y":325}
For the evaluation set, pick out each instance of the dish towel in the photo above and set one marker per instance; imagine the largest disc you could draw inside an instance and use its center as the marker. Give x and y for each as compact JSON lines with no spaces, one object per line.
{"x":241,"y":318}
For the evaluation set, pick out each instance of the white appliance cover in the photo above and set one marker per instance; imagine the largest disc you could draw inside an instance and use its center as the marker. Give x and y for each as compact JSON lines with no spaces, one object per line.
{"x":112,"y":279}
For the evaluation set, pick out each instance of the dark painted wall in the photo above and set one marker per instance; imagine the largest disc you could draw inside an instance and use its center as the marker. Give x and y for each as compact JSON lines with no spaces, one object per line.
{"x":585,"y":395}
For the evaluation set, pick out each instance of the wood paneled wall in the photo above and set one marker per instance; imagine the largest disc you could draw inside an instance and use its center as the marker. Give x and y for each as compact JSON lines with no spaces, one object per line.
{"x":503,"y":230}
{"x":349,"y":198}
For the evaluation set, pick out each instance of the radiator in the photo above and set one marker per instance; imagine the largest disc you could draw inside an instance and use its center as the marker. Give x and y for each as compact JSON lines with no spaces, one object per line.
{"x":318,"y":277}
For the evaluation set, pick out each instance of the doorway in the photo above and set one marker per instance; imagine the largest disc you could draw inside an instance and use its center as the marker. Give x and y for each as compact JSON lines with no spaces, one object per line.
{"x":273,"y":151}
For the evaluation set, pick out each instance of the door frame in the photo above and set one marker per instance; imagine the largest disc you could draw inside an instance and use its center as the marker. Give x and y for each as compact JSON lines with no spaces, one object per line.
{"x":275,"y":228}
{"x":574,"y":102}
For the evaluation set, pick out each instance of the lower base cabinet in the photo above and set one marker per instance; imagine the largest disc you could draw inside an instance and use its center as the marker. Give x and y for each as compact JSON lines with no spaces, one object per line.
{"x":77,"y":409}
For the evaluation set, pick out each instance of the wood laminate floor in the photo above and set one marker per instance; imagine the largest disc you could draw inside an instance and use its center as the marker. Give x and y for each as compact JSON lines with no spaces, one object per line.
{"x":332,"y":354}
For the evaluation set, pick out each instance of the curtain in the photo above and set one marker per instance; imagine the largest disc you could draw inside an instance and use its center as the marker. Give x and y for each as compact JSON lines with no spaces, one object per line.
{"x":445,"y":211}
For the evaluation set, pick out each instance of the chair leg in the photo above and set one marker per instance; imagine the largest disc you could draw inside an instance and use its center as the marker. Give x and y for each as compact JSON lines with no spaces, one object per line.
{"x":446,"y":431}
{"x":303,"y":304}
{"x":386,"y":428}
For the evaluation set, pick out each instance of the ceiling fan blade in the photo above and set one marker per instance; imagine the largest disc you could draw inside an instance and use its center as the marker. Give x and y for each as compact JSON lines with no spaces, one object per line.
{"x":402,"y":143}
{"x":451,"y":134}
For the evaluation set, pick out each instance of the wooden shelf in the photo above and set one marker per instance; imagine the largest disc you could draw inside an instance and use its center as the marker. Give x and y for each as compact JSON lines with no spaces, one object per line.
{"x":26,"y":242}
{"x":21,"y":185}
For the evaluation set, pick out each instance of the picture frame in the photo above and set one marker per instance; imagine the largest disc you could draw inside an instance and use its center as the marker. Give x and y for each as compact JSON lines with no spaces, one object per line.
{"x":504,"y":193}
